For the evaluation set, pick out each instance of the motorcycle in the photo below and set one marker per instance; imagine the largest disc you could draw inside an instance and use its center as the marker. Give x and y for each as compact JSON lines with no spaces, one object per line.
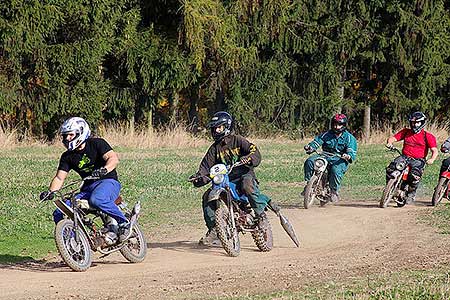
{"x":442,"y":189}
{"x":234,"y":214}
{"x":85,"y":228}
{"x":318,"y":185}
{"x":397,"y":185}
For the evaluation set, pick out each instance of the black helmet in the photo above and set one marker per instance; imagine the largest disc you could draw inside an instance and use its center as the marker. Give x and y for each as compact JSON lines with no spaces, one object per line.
{"x":417,"y":121}
{"x":218,"y":119}
{"x":340,"y":119}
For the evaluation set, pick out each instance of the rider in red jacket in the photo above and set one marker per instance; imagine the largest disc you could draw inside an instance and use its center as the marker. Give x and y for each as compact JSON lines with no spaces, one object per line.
{"x":416,"y":144}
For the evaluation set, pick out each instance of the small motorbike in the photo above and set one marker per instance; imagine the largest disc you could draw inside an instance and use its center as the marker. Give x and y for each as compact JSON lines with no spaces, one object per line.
{"x":442,"y":189}
{"x":318,"y":185}
{"x":85,"y":228}
{"x":234,"y":214}
{"x":397,"y":185}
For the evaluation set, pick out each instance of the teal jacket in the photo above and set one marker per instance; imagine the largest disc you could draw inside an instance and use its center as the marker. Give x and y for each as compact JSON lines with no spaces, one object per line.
{"x":346,"y":143}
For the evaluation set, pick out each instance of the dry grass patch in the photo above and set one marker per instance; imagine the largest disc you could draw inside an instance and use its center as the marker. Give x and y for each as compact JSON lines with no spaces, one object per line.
{"x":176,"y":137}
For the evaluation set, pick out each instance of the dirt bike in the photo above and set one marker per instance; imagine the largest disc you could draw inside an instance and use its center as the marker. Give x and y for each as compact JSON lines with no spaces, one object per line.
{"x":234,"y":214}
{"x":84,"y":228}
{"x":318,"y":185}
{"x":396,"y":186}
{"x":442,"y":188}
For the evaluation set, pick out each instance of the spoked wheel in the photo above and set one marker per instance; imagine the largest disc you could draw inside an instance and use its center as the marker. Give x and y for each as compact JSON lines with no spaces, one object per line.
{"x":263,"y":235}
{"x":226,"y":232}
{"x":310,"y":191}
{"x":76,"y":254}
{"x":135,"y":248}
{"x":439,"y":191}
{"x":388,"y":192}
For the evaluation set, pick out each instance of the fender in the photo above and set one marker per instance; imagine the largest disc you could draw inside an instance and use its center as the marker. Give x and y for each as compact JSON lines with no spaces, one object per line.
{"x":214,"y":195}
{"x":446,"y":174}
{"x":405,"y":173}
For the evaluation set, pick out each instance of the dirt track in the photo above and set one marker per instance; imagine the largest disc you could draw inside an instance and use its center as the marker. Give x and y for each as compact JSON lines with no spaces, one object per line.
{"x":349,"y":239}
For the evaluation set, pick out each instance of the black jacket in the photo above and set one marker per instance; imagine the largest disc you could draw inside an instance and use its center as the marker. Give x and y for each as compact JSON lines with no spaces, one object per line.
{"x":228,"y":151}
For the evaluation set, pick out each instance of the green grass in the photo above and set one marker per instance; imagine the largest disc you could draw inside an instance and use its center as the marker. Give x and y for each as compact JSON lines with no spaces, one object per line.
{"x":158,"y":178}
{"x":407,"y":285}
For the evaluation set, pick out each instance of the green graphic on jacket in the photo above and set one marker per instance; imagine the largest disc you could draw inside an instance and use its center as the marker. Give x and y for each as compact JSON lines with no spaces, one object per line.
{"x":84,"y":162}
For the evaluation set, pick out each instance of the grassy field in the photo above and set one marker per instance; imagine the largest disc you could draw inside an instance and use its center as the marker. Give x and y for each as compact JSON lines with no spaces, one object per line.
{"x":157,"y":177}
{"x":408,"y":285}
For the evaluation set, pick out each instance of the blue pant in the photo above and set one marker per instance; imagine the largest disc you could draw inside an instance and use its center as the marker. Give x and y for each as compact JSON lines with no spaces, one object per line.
{"x":100,"y":194}
{"x":336,"y":170}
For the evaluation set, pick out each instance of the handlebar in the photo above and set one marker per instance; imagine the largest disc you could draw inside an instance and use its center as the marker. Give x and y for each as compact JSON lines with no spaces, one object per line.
{"x":229,"y":169}
{"x":80,"y":182}
{"x":394,"y":149}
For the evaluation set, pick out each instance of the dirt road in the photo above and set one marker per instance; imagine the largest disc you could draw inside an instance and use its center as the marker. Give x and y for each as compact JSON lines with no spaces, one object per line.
{"x":337,"y":242}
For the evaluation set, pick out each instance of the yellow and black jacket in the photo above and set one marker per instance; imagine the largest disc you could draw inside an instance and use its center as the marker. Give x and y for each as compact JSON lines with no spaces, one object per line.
{"x":228,"y":151}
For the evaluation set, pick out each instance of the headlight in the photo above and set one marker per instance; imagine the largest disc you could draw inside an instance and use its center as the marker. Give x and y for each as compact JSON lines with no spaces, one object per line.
{"x":319,"y":163}
{"x":218,"y":179}
{"x":400,"y":166}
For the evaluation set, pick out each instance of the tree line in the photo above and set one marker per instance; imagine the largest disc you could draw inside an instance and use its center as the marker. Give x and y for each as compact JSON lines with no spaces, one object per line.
{"x":274,"y":64}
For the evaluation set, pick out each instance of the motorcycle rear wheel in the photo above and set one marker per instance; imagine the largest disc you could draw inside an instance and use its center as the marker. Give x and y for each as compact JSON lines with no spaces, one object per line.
{"x":310,"y":193}
{"x":226,"y":232}
{"x":76,"y":255}
{"x":135,"y":249}
{"x":263,"y":235}
{"x":388,"y":192}
{"x":439,"y":191}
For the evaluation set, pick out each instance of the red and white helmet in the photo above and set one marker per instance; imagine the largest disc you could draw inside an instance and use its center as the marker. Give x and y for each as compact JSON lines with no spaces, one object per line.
{"x":79,"y":127}
{"x":340,"y":119}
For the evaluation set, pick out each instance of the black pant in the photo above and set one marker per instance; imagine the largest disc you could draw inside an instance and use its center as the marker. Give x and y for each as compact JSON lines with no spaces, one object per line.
{"x":417,"y":166}
{"x":445,"y":165}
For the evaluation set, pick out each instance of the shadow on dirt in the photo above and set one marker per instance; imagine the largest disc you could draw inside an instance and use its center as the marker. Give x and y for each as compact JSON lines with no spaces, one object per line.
{"x":36,"y":266}
{"x":194,"y":247}
{"x":359,"y":204}
{"x":31,"y":265}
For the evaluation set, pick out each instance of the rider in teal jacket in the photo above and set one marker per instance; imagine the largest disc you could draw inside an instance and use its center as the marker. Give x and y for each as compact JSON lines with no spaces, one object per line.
{"x":338,"y":141}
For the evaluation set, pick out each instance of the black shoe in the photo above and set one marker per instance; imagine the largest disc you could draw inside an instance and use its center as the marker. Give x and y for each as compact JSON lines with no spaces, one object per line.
{"x":303,"y":192}
{"x":410,"y":196}
{"x":124,"y":231}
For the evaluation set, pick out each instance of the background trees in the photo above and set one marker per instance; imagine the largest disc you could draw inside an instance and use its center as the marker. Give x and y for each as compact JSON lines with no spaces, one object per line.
{"x":276,"y":65}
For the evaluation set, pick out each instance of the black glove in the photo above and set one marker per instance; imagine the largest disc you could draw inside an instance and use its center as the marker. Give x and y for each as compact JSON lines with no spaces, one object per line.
{"x":47,"y":195}
{"x":245,"y":160}
{"x":308,"y":149}
{"x":197,"y":180}
{"x":100,"y":172}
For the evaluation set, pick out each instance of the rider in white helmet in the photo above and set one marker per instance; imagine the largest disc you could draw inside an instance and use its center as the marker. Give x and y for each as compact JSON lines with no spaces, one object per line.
{"x":90,"y":156}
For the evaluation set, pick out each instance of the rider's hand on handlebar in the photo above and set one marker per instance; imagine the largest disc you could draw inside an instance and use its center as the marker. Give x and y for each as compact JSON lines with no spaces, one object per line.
{"x":197,"y":180}
{"x":100,"y":172}
{"x":308,"y":149}
{"x":246,"y":160}
{"x":47,"y":195}
{"x":389,"y":146}
{"x":346,"y":157}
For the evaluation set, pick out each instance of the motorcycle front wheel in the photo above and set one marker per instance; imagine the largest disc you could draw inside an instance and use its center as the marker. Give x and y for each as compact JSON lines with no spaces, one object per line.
{"x":388,"y":192}
{"x":226,"y":232}
{"x":135,"y":248}
{"x":77,"y":255}
{"x":439,"y":191}
{"x":310,"y":191}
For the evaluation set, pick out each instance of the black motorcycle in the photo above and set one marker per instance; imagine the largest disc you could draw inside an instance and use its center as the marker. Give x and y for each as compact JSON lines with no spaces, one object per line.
{"x":85,"y":228}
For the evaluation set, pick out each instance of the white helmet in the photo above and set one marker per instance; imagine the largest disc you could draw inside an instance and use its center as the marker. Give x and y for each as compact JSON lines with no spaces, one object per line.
{"x":78,"y":126}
